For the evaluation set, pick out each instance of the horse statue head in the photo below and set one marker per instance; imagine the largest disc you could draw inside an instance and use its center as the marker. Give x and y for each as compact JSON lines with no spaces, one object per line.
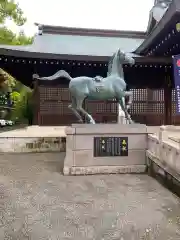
{"x":124,"y":58}
{"x":117,"y":60}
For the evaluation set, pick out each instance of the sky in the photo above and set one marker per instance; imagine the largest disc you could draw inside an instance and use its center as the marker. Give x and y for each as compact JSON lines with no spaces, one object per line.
{"x":100,"y":14}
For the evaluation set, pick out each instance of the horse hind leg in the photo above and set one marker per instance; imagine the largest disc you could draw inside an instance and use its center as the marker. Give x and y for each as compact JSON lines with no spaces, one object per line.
{"x":81,"y":109}
{"x":73,"y":108}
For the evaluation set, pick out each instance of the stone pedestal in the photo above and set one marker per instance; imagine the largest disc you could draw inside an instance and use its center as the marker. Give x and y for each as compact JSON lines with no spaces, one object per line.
{"x":105,"y":148}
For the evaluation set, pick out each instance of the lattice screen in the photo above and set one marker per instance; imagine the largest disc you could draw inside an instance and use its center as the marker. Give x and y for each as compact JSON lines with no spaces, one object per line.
{"x":105,"y":107}
{"x":158,"y":101}
{"x":54,"y":93}
{"x":139,"y":104}
{"x":54,"y":100}
{"x":147,"y":101}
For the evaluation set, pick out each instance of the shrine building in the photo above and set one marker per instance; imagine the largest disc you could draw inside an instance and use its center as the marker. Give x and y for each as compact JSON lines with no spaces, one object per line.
{"x":86,"y":52}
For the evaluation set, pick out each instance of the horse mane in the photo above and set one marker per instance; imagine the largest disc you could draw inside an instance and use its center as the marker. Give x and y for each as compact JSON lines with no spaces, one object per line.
{"x":110,"y":64}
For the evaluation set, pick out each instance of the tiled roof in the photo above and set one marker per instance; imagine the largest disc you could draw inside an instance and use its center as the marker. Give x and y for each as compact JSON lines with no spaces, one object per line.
{"x":75,"y":41}
{"x":84,"y":45}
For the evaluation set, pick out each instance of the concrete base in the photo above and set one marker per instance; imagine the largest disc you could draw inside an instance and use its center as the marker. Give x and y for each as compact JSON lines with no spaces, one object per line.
{"x":104,"y":170}
{"x":80,"y":158}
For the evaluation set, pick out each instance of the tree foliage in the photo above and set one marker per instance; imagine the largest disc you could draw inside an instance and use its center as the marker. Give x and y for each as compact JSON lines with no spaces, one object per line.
{"x":22,"y":39}
{"x":10,"y":38}
{"x":20,"y":109}
{"x":9,"y":9}
{"x":7,"y":82}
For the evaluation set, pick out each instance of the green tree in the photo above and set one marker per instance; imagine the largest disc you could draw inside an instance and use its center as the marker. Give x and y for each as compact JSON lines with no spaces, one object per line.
{"x":9,"y":9}
{"x":22,"y":39}
{"x":22,"y":108}
{"x":10,"y":38}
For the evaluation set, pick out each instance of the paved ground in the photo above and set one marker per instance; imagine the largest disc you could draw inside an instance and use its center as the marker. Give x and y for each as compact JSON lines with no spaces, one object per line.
{"x":37,"y":202}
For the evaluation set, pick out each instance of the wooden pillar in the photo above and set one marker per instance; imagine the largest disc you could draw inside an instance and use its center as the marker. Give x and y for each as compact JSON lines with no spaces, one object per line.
{"x":167,"y":99}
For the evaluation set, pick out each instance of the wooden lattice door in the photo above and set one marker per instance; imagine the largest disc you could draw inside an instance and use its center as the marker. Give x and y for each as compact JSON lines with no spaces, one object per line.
{"x":53,"y":106}
{"x":148,"y":106}
{"x":102,"y":111}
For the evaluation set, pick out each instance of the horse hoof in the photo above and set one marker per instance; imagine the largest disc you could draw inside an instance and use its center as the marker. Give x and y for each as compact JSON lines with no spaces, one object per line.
{"x":92,"y":122}
{"x":80,"y":121}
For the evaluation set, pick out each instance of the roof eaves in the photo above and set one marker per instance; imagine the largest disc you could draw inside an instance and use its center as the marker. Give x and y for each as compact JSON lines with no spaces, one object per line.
{"x":177,"y":5}
{"x":23,"y":53}
{"x":89,"y":31}
{"x":161,"y":24}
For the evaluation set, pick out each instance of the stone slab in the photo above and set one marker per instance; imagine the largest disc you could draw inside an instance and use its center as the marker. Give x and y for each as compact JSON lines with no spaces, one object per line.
{"x":80,"y":148}
{"x":109,"y":128}
{"x":134,"y":142}
{"x":85,"y":158}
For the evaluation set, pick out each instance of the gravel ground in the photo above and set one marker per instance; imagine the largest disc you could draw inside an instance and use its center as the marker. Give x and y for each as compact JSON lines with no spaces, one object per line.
{"x":38,"y":203}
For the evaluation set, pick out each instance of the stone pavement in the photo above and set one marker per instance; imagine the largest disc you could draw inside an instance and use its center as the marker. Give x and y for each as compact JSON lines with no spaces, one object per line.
{"x":37,"y":202}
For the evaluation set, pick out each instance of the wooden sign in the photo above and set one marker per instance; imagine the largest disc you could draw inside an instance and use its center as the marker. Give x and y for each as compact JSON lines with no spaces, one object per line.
{"x":110,"y":146}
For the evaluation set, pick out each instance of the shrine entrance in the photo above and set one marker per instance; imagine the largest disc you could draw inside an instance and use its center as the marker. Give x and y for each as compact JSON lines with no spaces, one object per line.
{"x":151,"y":98}
{"x":148,"y":107}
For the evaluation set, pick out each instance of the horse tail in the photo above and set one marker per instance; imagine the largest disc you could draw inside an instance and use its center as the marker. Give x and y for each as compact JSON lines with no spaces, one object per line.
{"x":59,"y":74}
{"x":35,"y":76}
{"x":63,"y":73}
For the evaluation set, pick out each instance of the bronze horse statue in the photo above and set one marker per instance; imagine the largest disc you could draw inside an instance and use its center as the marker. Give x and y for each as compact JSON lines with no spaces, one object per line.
{"x":111,"y":87}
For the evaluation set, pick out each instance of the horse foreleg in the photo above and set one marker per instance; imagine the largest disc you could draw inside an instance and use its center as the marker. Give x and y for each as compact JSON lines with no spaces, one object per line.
{"x":121,"y":114}
{"x":91,"y":120}
{"x":129,"y":103}
{"x":129,"y":94}
{"x":80,"y":120}
{"x":81,"y":109}
{"x":122,"y":103}
{"x":73,"y":107}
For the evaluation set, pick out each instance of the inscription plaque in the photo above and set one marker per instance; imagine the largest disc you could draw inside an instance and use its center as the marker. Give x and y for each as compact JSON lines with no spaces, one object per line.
{"x":110,"y":146}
